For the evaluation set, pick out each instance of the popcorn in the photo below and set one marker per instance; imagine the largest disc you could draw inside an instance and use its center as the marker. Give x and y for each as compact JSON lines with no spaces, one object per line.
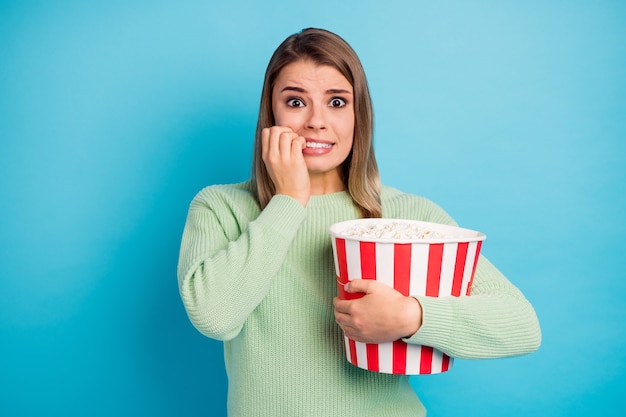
{"x":377,"y":229}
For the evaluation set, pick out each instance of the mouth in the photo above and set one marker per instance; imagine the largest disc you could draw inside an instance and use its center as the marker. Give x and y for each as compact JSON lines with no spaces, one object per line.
{"x":318,"y":144}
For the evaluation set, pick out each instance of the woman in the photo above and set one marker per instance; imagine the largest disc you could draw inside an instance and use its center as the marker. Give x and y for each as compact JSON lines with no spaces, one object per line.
{"x":256,"y":267}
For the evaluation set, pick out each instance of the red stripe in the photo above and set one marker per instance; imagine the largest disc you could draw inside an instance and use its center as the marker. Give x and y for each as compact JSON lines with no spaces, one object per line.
{"x":478,"y":245}
{"x":353,"y":357}
{"x":343,"y":271}
{"x":372,"y":357}
{"x":445,"y":363}
{"x":402,"y":268}
{"x":368,"y":260}
{"x":459,"y":267}
{"x":341,"y":260}
{"x":401,"y":282}
{"x":368,"y":271}
{"x":426,"y":360}
{"x":341,"y":292}
{"x":399,"y":357}
{"x":435,"y":255}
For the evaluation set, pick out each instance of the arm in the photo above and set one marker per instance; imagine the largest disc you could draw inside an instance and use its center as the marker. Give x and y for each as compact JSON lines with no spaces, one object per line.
{"x":226,"y":267}
{"x":496,"y":320}
{"x":226,"y":264}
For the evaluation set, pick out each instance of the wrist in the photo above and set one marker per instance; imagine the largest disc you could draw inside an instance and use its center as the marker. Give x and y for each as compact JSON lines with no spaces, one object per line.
{"x":412,"y":317}
{"x":302,"y":198}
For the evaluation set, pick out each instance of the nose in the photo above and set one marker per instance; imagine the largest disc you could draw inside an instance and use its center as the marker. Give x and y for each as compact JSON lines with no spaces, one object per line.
{"x":316,"y":118}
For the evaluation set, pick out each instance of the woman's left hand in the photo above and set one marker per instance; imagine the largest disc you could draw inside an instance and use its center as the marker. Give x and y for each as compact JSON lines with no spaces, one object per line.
{"x":381,"y":315}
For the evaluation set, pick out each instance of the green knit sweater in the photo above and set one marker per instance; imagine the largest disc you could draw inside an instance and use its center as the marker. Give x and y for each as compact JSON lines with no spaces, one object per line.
{"x":263,"y":282}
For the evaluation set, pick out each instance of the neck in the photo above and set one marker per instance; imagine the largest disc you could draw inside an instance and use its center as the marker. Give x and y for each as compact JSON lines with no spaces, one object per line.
{"x":326,"y":183}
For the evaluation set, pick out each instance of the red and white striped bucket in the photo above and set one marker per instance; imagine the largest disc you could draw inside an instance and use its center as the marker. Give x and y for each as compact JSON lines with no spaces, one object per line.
{"x":434,"y":267}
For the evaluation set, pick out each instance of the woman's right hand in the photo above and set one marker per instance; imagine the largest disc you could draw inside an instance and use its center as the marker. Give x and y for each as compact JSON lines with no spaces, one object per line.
{"x":283,"y":158}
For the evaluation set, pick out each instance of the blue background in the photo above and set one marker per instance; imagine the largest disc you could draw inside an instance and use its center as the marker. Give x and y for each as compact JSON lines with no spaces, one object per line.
{"x":509,"y":114}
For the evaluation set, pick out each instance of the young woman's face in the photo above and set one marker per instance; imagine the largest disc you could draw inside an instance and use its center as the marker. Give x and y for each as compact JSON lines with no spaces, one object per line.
{"x":317,"y":103}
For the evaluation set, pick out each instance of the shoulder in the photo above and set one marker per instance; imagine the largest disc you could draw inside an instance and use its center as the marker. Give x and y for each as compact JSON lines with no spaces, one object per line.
{"x":402,"y":205}
{"x":239,"y":194}
{"x":392,"y":197}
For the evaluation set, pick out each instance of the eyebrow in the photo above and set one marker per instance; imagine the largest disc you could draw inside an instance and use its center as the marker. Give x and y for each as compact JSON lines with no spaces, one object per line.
{"x":330,"y":91}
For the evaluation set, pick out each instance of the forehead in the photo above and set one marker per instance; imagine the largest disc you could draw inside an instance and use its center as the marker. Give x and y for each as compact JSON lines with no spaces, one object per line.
{"x":310,"y":75}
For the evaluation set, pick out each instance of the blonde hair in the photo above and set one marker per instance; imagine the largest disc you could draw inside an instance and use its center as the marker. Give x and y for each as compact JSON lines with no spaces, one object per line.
{"x":360,"y":171}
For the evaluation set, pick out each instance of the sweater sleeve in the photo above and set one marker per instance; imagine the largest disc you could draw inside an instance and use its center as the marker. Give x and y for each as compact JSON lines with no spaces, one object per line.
{"x":496,"y":320}
{"x":227,"y":264}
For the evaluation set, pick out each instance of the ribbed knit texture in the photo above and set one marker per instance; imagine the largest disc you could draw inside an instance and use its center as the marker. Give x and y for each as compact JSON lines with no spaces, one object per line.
{"x":263,"y":282}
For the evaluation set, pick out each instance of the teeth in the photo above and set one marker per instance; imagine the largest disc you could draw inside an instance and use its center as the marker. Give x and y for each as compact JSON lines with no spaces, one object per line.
{"x":318,"y":145}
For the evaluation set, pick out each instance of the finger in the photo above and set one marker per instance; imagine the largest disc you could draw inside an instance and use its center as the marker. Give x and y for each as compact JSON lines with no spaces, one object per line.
{"x":270,"y":140}
{"x":341,"y":306}
{"x":298,"y":144}
{"x":286,"y":145}
{"x":344,"y":321}
{"x":350,"y":328}
{"x":265,"y":142}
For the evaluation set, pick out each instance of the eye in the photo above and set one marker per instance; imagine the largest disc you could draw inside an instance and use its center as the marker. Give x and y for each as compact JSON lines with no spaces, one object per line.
{"x":295,"y":102}
{"x":337,"y":102}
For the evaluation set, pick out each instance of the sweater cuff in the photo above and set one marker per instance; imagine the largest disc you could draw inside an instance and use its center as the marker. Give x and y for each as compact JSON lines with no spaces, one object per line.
{"x":284,"y":215}
{"x":437,"y":316}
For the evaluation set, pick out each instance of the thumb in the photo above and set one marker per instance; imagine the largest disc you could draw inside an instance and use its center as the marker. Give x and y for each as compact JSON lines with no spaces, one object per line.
{"x":358,"y":285}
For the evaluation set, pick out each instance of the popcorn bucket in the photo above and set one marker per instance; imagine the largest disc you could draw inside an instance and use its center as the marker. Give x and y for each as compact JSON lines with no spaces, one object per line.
{"x":415,"y":258}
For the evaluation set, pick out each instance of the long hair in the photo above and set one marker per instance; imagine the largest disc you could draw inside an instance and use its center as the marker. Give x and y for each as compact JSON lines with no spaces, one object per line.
{"x":360,"y":171}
